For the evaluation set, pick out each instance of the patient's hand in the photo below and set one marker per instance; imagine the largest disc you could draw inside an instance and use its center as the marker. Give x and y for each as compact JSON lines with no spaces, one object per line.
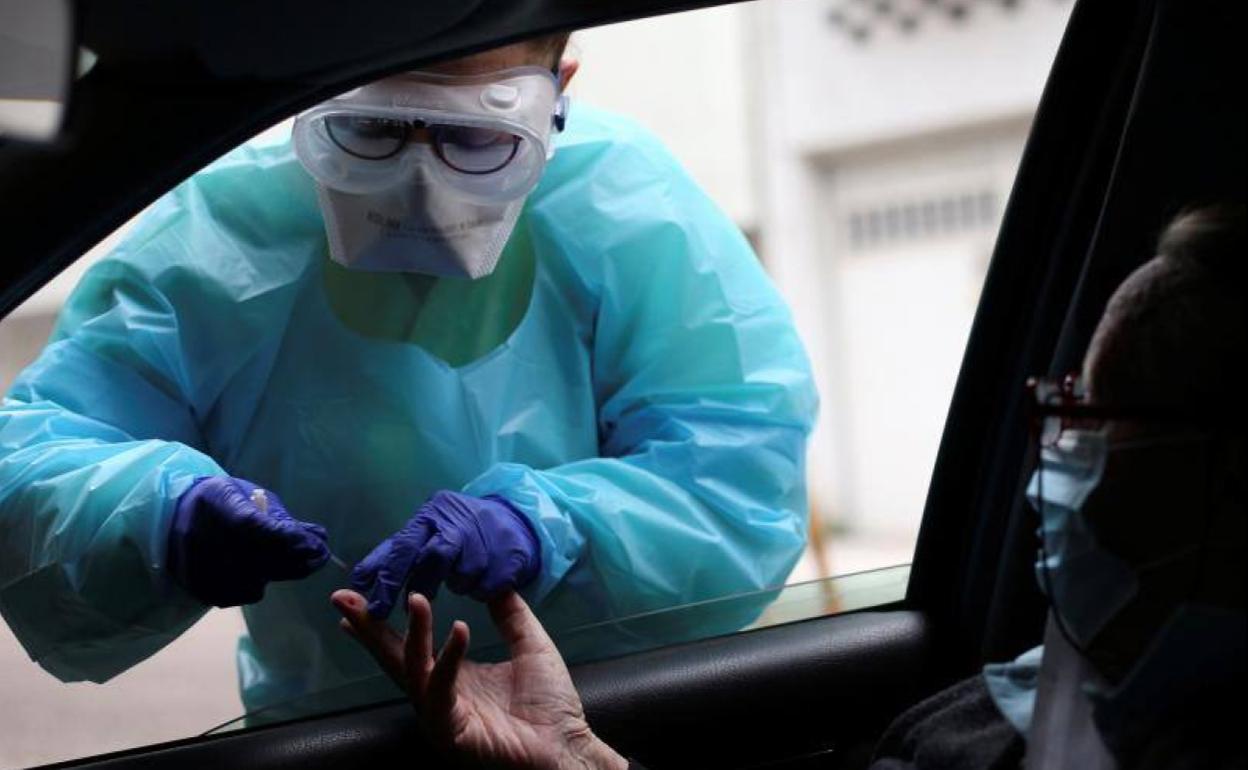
{"x":524,"y":713}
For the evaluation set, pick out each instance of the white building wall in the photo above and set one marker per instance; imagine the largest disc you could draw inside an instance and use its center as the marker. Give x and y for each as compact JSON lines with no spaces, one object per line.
{"x":901,"y":299}
{"x":849,"y":121}
{"x":837,"y":92}
{"x":684,"y":76}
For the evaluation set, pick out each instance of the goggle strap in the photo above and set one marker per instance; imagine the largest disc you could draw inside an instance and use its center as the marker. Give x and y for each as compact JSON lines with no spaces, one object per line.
{"x":560,"y":116}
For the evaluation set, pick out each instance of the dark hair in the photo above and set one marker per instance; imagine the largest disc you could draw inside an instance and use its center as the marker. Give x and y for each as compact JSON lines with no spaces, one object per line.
{"x":1209,"y":239}
{"x":1176,"y":331}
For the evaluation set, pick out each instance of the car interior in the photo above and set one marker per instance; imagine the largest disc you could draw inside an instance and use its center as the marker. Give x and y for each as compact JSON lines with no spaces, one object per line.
{"x":1140,"y":116}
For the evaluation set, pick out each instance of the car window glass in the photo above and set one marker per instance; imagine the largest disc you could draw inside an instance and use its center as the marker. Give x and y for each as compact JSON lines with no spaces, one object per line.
{"x":865,"y":152}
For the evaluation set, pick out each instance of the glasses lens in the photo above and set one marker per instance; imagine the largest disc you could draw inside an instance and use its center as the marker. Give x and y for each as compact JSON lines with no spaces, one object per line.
{"x":475,"y":150}
{"x":364,"y":137}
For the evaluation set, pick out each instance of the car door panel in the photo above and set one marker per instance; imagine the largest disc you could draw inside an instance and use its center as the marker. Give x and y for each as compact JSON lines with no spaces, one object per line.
{"x":797,"y":693}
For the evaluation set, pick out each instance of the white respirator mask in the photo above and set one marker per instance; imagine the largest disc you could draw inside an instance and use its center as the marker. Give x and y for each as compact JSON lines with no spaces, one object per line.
{"x":427,"y":173}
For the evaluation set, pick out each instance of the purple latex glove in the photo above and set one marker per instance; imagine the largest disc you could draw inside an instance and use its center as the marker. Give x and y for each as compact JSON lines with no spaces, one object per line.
{"x":479,"y":546}
{"x":224,"y":549}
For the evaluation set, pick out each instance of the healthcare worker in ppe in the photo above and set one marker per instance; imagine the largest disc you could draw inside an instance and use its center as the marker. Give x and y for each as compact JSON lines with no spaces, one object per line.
{"x":453,"y":334}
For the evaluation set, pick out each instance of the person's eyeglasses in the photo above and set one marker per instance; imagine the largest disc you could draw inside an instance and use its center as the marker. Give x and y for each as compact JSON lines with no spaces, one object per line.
{"x":466,"y":149}
{"x":1061,"y":405}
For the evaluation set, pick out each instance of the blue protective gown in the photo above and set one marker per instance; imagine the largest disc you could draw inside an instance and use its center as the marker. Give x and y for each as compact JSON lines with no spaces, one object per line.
{"x":629,"y":379}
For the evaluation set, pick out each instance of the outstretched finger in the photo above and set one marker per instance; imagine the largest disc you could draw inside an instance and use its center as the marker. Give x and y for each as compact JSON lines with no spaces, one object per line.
{"x":418,"y":647}
{"x":519,"y":627}
{"x":374,"y":635}
{"x":440,"y":695}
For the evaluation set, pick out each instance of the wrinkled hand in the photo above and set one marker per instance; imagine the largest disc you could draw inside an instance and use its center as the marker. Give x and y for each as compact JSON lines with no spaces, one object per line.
{"x":524,"y":713}
{"x":480,"y":546}
{"x":223,"y":549}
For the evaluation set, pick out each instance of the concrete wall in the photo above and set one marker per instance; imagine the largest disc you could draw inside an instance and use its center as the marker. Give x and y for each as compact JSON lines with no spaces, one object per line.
{"x":837,"y":92}
{"x":686,"y":77}
{"x":897,"y":111}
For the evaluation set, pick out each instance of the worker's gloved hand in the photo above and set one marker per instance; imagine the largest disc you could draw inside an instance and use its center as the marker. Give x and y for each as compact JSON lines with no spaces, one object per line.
{"x":224,"y":549}
{"x":480,"y":546}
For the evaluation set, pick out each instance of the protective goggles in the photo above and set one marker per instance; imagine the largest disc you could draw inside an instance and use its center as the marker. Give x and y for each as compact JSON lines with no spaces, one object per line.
{"x":486,"y":136}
